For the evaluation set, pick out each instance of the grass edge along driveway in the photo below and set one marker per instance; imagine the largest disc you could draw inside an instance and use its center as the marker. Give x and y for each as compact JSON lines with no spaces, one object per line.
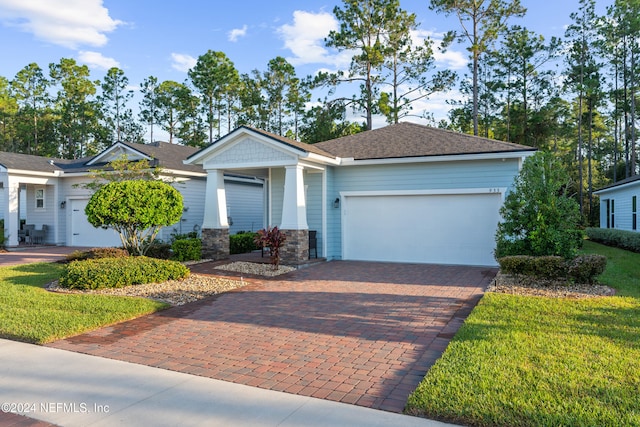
{"x":529,"y":361}
{"x":32,"y":314}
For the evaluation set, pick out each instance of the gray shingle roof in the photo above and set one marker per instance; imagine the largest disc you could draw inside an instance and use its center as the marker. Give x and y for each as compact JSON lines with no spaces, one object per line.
{"x":30,"y":163}
{"x":167,"y":156}
{"x":631,"y":179}
{"x":413,"y":140}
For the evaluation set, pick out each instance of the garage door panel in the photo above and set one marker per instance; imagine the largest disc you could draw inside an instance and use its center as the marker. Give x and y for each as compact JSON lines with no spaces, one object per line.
{"x":85,"y":234}
{"x":450,"y":229}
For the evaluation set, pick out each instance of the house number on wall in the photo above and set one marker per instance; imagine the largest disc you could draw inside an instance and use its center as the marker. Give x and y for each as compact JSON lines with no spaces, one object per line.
{"x":494,"y":190}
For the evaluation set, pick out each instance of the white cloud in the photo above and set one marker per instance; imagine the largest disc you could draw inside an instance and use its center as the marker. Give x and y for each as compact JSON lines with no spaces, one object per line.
{"x":183,"y":62}
{"x":236,"y":33}
{"x":305,"y":39}
{"x":451,"y":58}
{"x":68,"y":23}
{"x":96,"y":60}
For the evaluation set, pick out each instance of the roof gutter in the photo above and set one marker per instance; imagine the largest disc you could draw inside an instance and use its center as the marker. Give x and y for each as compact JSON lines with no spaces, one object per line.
{"x":55,"y":173}
{"x":442,"y":158}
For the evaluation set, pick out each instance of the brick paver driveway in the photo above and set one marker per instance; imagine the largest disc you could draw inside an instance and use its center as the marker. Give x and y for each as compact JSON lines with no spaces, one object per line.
{"x":356,"y":332}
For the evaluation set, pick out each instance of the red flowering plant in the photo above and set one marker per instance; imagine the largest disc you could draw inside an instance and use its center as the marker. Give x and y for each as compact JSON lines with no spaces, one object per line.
{"x":273,"y":239}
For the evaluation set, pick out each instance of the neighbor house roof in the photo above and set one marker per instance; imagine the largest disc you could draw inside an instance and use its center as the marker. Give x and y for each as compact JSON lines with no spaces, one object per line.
{"x":31,"y":163}
{"x":630,"y":180}
{"x":413,"y":140}
{"x":169,"y":156}
{"x":165,"y":155}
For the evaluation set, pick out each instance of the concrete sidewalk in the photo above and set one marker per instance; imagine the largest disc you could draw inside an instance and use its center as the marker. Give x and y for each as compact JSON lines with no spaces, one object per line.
{"x":72,"y":389}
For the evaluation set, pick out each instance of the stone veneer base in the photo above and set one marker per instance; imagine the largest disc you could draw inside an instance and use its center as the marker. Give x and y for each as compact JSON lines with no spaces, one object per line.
{"x":296,"y":247}
{"x":215,"y":243}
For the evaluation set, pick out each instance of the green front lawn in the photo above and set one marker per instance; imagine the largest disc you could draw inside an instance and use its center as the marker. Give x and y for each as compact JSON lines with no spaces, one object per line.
{"x":30,"y":313}
{"x":533,"y":361}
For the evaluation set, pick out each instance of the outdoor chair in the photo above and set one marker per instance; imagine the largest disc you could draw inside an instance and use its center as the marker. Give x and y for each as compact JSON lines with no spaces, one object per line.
{"x":24,"y":235}
{"x":37,"y":236}
{"x":313,"y":243}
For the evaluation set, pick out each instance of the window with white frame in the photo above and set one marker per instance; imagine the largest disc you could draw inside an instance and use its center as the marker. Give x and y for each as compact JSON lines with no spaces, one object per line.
{"x":39,"y":198}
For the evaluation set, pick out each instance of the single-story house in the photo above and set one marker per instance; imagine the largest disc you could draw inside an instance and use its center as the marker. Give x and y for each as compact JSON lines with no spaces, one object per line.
{"x":405,"y":192}
{"x":619,"y":204}
{"x":49,"y":194}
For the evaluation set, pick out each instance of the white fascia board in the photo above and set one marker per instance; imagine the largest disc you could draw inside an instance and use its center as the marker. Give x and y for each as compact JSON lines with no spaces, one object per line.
{"x":182,"y":173}
{"x":317,"y":158}
{"x":434,"y":159}
{"x":33,"y":173}
{"x":618,"y":187}
{"x":244,"y":180}
{"x":251,"y":165}
{"x":439,"y":191}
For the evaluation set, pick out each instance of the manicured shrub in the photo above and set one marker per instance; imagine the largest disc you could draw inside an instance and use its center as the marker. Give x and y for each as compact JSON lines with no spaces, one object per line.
{"x":159,"y":250}
{"x":242,"y":242}
{"x":136,"y":210}
{"x":187,"y":249}
{"x":95,"y":253}
{"x":548,"y":267}
{"x":624,"y":239}
{"x":585,"y":268}
{"x":581,"y":269}
{"x":516,"y":264}
{"x":120,"y":272}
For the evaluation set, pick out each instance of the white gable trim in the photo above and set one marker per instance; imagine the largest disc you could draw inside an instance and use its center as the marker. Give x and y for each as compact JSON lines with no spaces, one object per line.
{"x":242,"y":134}
{"x":618,"y":187}
{"x":117,"y":150}
{"x":248,"y":151}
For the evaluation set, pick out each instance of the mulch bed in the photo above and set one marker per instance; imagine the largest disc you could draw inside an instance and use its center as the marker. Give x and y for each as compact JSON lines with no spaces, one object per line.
{"x":526,"y":285}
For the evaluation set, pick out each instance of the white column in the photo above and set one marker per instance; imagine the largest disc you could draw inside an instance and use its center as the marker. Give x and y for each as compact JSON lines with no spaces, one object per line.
{"x":11,"y":223}
{"x":215,"y":202}
{"x":294,"y":209}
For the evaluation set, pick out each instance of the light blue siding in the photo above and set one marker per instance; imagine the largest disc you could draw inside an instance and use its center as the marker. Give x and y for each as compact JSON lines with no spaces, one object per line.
{"x":313,"y":183}
{"x":277,"y":196}
{"x":245,"y":204}
{"x":622,"y":197}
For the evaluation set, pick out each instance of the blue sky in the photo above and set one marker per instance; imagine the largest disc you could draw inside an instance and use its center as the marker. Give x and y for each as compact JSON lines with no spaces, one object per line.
{"x":164,"y":39}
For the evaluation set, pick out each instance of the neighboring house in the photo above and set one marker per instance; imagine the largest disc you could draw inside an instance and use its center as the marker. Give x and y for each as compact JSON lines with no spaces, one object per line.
{"x":50,"y":192}
{"x":405,"y":193}
{"x":619,"y":204}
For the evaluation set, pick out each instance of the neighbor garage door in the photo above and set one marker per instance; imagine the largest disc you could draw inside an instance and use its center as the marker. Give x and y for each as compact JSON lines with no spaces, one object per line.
{"x":424,"y":228}
{"x":82,"y":233}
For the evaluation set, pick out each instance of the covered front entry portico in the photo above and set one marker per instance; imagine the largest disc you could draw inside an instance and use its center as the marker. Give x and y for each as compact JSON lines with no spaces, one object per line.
{"x":295,"y":190}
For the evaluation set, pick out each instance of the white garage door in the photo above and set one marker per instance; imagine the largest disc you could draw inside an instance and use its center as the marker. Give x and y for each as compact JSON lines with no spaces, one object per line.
{"x":84,"y":234}
{"x":434,"y":228}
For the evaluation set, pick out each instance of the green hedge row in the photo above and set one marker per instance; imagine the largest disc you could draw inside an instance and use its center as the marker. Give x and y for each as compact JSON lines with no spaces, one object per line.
{"x":120,"y":272}
{"x":581,"y":269}
{"x":187,"y":249}
{"x":242,"y":242}
{"x":629,"y":240}
{"x":96,"y":253}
